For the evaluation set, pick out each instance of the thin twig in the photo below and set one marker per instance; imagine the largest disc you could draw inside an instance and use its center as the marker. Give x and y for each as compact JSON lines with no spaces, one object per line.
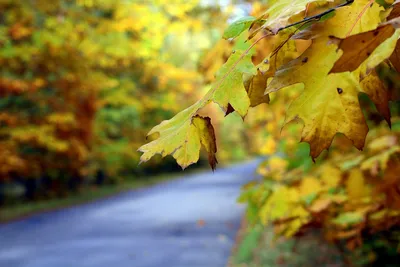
{"x":316,"y":17}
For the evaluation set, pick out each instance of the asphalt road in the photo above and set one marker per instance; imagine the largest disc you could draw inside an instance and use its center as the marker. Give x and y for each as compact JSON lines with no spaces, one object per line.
{"x":190,"y":222}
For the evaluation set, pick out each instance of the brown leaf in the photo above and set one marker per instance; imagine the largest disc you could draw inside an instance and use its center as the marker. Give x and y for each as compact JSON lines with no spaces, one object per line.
{"x":347,"y":234}
{"x":229,"y":110}
{"x":207,"y":138}
{"x":357,"y":48}
{"x":373,"y":86}
{"x":395,"y":13}
{"x":395,"y":57}
{"x":255,"y":88}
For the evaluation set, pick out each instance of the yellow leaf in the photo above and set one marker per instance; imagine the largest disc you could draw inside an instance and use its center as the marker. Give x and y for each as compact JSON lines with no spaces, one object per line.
{"x":356,"y":187}
{"x":277,"y":164}
{"x":328,"y":104}
{"x":382,"y":143}
{"x":255,"y":87}
{"x":330,"y":175}
{"x":309,"y":185}
{"x":182,"y":138}
{"x":278,"y":204}
{"x":207,"y":138}
{"x":357,"y":48}
{"x":269,"y":146}
{"x":302,"y":218}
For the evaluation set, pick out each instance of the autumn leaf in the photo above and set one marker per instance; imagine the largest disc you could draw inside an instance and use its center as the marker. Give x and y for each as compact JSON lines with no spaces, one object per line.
{"x":380,"y":54}
{"x":374,"y":87}
{"x":348,"y":218}
{"x":345,"y":22}
{"x":328,"y":104}
{"x":355,"y":185}
{"x":395,"y":12}
{"x":380,"y":160}
{"x":207,"y":138}
{"x":179,"y":137}
{"x":183,"y":135}
{"x":357,"y":48}
{"x":230,"y":89}
{"x":255,"y":86}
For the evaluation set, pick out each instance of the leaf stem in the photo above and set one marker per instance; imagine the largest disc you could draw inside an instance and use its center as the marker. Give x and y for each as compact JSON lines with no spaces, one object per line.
{"x":359,"y":16}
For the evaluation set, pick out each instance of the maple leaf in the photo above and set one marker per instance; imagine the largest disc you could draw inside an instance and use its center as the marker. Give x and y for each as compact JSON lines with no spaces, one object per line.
{"x":345,"y":21}
{"x":328,"y":104}
{"x":383,"y":52}
{"x":207,"y":138}
{"x":395,"y":57}
{"x":255,"y":87}
{"x":183,"y":139}
{"x":229,"y":83}
{"x":357,"y":48}
{"x":183,"y":135}
{"x":373,"y":86}
{"x":177,"y":136}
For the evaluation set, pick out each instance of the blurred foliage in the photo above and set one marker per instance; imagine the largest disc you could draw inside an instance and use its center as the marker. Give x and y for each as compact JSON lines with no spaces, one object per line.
{"x":82,"y":81}
{"x":351,"y":196}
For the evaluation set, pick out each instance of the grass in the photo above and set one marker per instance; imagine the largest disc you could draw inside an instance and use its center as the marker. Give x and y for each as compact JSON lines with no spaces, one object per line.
{"x":89,"y":194}
{"x":248,"y":244}
{"x":258,"y":248}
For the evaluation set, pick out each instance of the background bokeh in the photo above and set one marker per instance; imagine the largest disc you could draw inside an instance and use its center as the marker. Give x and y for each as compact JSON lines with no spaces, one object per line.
{"x":83,"y":81}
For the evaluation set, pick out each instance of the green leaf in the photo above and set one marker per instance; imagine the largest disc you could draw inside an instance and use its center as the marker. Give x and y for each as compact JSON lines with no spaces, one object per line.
{"x":308,"y":200}
{"x":229,"y":84}
{"x":348,"y":218}
{"x":238,"y":26}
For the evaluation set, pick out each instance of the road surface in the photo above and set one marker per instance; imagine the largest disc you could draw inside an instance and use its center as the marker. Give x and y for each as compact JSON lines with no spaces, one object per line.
{"x":190,"y":222}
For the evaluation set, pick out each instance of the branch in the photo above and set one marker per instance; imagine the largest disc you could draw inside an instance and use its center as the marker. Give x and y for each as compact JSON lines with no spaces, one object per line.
{"x":316,"y":17}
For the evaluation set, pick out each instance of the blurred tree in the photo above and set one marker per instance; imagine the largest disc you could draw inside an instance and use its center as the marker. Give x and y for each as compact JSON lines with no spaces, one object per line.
{"x":83,"y":81}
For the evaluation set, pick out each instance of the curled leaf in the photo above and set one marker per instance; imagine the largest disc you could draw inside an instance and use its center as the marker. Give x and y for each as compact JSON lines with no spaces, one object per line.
{"x":357,"y":48}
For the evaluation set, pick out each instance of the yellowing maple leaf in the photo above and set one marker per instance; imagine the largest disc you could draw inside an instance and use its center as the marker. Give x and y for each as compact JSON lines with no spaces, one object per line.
{"x":357,"y":48}
{"x":328,"y":104}
{"x":183,"y":135}
{"x":279,"y":204}
{"x":182,"y":138}
{"x":309,"y":185}
{"x":230,"y":89}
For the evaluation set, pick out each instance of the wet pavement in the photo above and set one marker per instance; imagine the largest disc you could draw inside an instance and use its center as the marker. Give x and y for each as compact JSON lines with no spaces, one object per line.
{"x":190,"y":222}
